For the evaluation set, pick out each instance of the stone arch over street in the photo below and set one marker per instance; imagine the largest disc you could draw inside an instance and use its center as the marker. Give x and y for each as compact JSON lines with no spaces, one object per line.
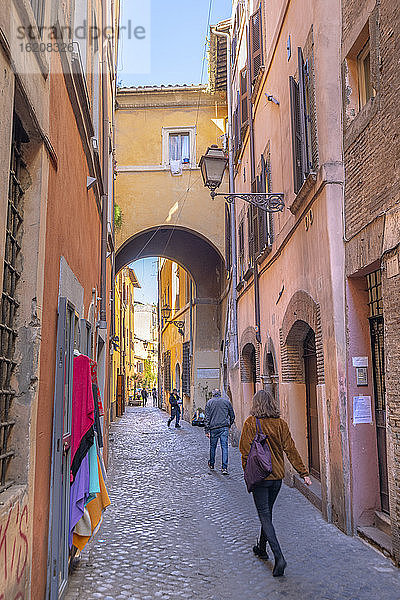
{"x":190,"y":249}
{"x":206,"y":267}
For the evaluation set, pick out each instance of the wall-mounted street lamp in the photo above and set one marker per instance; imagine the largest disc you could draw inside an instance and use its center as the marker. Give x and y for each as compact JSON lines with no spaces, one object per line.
{"x":166,"y":313}
{"x":213,"y":165}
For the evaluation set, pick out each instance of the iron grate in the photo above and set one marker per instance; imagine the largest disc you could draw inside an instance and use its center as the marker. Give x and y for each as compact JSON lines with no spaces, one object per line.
{"x":9,"y":304}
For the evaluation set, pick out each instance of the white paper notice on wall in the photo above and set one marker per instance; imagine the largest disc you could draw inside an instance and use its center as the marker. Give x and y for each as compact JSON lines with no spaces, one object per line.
{"x":207,"y":373}
{"x":362,"y":410}
{"x":360,"y":361}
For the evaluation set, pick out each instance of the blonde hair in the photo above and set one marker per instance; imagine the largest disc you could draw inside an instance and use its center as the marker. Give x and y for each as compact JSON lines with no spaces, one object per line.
{"x":264,"y":406}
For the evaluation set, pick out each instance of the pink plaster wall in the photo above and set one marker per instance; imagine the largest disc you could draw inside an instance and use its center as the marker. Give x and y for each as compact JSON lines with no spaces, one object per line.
{"x":363,"y":448}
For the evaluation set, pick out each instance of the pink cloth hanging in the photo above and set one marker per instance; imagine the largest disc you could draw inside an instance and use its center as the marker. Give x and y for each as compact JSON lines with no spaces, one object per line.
{"x":82,"y":403}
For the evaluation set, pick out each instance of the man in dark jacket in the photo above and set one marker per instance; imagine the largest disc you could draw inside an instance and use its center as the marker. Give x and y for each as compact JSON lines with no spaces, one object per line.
{"x":175,"y":402}
{"x":144,"y":395}
{"x":219,"y":418}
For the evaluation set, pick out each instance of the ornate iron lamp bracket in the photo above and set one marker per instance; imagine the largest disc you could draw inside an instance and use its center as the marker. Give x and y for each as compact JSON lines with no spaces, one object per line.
{"x":268,"y":202}
{"x":180,"y":325}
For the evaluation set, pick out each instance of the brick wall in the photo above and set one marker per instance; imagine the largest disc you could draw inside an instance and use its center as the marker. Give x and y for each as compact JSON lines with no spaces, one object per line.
{"x":371,"y":140}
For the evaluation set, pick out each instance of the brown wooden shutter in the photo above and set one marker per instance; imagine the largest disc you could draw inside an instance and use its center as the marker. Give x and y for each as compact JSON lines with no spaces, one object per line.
{"x":298,"y":177}
{"x":233,"y":49}
{"x":244,"y":99}
{"x":228,"y":240}
{"x":239,"y":15}
{"x":241,"y":249}
{"x":250,"y":233}
{"x":305,"y":153}
{"x":262,"y":214}
{"x":256,"y":45}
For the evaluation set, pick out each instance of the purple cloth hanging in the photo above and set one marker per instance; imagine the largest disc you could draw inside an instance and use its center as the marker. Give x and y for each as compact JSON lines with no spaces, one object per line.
{"x":79,"y":493}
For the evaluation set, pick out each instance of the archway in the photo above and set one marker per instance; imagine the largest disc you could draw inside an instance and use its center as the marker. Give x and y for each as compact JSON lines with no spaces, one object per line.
{"x":249,"y":370}
{"x":205,"y":265}
{"x":184,"y":246}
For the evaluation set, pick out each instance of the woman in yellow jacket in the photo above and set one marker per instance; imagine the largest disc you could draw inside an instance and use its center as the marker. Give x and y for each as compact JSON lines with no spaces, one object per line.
{"x":279,"y":439}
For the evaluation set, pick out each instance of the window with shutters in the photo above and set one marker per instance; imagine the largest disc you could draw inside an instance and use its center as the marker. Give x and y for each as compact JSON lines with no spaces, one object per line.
{"x":228,"y":237}
{"x":167,"y":370}
{"x":251,"y":236}
{"x":256,"y":44}
{"x":244,"y":100}
{"x":237,"y":139}
{"x":241,"y":263}
{"x":262,"y":220}
{"x":186,"y":368}
{"x":303,"y":123}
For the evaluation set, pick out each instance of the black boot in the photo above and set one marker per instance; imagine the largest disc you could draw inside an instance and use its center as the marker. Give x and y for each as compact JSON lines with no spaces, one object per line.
{"x":280,"y":566}
{"x":260,"y":551}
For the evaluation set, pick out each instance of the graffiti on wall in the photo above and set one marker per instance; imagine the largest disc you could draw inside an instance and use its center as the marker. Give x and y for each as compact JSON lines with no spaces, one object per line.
{"x":14,"y":552}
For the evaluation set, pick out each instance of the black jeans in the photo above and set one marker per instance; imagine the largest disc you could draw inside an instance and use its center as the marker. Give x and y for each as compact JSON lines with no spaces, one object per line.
{"x":264,"y":495}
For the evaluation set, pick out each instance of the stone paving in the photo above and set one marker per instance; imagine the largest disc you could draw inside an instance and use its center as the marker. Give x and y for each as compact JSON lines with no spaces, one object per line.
{"x":175,"y":531}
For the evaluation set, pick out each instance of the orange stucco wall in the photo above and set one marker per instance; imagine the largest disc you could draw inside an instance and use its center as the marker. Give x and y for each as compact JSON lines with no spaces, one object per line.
{"x":73,"y":231}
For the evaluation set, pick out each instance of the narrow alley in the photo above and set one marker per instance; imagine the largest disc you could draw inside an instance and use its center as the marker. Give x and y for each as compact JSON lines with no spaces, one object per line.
{"x":175,"y":530}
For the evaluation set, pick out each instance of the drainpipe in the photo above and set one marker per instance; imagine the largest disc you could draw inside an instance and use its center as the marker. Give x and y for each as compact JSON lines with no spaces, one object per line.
{"x":253,"y":176}
{"x":234,"y":327}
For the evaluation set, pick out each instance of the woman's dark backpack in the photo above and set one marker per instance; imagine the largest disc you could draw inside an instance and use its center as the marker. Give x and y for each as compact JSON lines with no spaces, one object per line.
{"x":259,"y":460}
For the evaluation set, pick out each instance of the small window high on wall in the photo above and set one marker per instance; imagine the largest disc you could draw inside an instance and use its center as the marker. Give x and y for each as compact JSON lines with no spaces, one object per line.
{"x":178,"y":148}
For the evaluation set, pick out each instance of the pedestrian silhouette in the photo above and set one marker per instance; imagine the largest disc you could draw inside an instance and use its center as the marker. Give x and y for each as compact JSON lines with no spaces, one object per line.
{"x":266,"y":413}
{"x":144,"y":395}
{"x":175,"y":403}
{"x":219,"y":417}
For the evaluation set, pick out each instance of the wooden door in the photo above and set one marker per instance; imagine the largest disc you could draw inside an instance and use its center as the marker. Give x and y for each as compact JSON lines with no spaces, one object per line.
{"x":310,"y":366}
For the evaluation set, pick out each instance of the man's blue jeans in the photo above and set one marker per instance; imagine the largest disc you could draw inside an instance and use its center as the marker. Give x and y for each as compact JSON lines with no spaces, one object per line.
{"x":175,"y":414}
{"x":221,"y":434}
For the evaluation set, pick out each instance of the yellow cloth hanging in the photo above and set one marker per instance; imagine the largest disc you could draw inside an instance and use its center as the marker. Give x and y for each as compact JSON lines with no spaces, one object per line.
{"x":95,"y":508}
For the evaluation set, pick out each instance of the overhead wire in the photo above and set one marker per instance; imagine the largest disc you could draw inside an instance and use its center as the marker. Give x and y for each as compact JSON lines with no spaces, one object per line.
{"x":197,"y":120}
{"x":190,"y":185}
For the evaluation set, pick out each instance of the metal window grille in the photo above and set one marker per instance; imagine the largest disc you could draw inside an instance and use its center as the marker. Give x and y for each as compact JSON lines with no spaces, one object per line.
{"x":167,"y":370}
{"x":374,"y":282}
{"x":186,"y":368}
{"x":9,"y":303}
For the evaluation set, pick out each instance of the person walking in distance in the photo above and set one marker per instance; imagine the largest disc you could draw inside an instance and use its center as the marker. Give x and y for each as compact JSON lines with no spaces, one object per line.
{"x":265,"y":411}
{"x":174,"y":401}
{"x":219,"y":417}
{"x":144,"y":396}
{"x":154,"y":394}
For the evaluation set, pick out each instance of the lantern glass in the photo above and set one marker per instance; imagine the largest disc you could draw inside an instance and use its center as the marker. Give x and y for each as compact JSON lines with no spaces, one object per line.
{"x":212,"y":166}
{"x":165,"y":312}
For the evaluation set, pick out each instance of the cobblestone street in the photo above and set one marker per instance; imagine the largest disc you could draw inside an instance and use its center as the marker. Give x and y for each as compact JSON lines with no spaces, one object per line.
{"x":175,"y":531}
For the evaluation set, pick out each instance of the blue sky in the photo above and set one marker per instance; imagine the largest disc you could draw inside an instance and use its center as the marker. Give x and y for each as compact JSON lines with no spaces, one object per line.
{"x":146,"y":272}
{"x":171,"y":48}
{"x":175,"y":47}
